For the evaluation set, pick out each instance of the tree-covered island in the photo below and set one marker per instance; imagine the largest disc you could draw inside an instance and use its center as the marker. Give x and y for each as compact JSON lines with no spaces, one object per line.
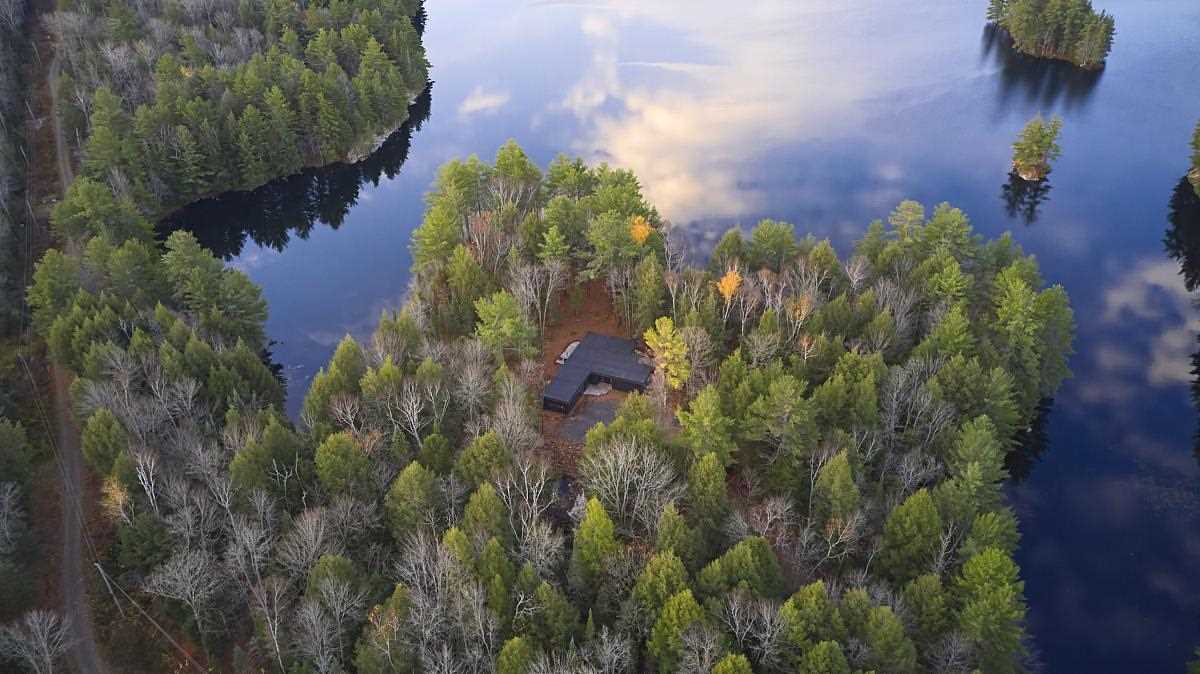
{"x":1036,"y":148}
{"x":813,"y":484}
{"x":1068,"y":30}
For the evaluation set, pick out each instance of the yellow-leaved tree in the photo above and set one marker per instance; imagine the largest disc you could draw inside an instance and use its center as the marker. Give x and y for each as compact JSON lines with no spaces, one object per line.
{"x":639,"y":229}
{"x":670,"y":352}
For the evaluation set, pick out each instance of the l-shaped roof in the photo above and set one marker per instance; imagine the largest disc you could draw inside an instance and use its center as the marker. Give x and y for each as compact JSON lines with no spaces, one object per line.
{"x":597,"y":358}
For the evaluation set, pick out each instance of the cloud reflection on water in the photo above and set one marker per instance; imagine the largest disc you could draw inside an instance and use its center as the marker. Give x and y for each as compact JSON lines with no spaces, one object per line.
{"x":695,"y":114}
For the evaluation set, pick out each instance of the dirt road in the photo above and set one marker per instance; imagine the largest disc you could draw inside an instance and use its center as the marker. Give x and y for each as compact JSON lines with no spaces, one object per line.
{"x":85,"y":656}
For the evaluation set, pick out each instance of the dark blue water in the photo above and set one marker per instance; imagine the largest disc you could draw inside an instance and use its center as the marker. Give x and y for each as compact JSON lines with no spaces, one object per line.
{"x":827,"y":113}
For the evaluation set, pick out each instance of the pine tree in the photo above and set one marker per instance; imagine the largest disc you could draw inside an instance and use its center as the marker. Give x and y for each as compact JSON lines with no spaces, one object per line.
{"x":1194,"y":173}
{"x":482,"y":459}
{"x":663,"y":577}
{"x":836,"y":494}
{"x":254,"y":147}
{"x":670,"y":352}
{"x":734,"y":663}
{"x":810,"y":616}
{"x":1037,"y":147}
{"x":286,"y":156}
{"x":929,"y":606}
{"x":648,"y":293}
{"x":825,"y":658}
{"x":993,"y":609}
{"x":189,"y":165}
{"x":485,"y":515}
{"x":410,"y":500}
{"x":674,"y":535}
{"x":708,"y":499}
{"x":342,"y":465}
{"x":911,"y":537}
{"x":891,"y":649}
{"x":705,"y":429}
{"x":678,"y":614}
{"x":595,"y":543}
{"x":333,"y":130}
{"x":554,"y":246}
{"x":516,"y":657}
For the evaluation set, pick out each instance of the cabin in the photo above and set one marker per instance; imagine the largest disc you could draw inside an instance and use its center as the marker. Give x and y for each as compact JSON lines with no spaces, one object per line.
{"x":598,"y":358}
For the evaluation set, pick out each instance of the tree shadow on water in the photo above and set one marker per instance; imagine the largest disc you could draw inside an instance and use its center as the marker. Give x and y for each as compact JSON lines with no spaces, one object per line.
{"x":1182,"y":242}
{"x":1023,"y":197}
{"x":1037,"y":82}
{"x":1030,"y":445}
{"x":272,"y":214}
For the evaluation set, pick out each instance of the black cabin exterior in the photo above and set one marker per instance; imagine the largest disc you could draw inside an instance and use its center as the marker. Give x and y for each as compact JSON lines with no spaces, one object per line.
{"x":598,"y":358}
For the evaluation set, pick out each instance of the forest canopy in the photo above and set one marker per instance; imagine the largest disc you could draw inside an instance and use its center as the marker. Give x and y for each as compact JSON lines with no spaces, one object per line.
{"x":175,"y":101}
{"x":1070,"y":30}
{"x":813,"y":483}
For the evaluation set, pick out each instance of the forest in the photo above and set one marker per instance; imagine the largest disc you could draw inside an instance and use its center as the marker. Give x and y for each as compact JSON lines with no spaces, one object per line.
{"x":18,"y":557}
{"x":174,"y":101}
{"x":1070,"y":30}
{"x":813,"y":482}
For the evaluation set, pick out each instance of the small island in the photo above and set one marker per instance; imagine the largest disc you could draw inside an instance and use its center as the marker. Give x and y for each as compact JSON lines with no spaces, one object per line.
{"x":1194,"y":173}
{"x":1036,"y":147}
{"x":1067,"y":30}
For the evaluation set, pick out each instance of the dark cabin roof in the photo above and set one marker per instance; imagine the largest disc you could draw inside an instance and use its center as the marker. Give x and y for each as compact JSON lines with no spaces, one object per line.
{"x":597,"y":358}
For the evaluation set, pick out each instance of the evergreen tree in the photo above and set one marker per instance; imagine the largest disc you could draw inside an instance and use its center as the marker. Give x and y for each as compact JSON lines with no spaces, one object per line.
{"x":103,"y":439}
{"x":678,"y":614}
{"x":809,"y":616}
{"x":485,"y":515}
{"x":674,"y":535}
{"x":595,"y":544}
{"x":516,"y":657}
{"x":825,"y":658}
{"x":554,"y":246}
{"x":670,"y":352}
{"x":255,"y":147}
{"x":410,"y":500}
{"x":836,"y":494}
{"x":503,"y":325}
{"x":930,"y":607}
{"x":708,"y":499}
{"x":282,"y":121}
{"x":705,"y":429}
{"x":663,"y":577}
{"x":484,"y":458}
{"x":734,"y":663}
{"x":1037,"y":147}
{"x":993,"y":609}
{"x":1194,"y":173}
{"x":342,"y":465}
{"x":891,"y":651}
{"x":911,"y":537}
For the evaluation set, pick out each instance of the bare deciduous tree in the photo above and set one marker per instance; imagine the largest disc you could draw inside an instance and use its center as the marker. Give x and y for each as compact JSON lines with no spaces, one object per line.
{"x":305,"y":542}
{"x":632,"y":482}
{"x":192,"y":577}
{"x":38,"y":639}
{"x":701,"y":650}
{"x":316,"y":637}
{"x":12,"y":13}
{"x":12,"y":517}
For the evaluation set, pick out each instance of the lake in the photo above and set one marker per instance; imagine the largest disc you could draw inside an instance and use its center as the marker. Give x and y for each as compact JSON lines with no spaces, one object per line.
{"x":827,"y":113}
